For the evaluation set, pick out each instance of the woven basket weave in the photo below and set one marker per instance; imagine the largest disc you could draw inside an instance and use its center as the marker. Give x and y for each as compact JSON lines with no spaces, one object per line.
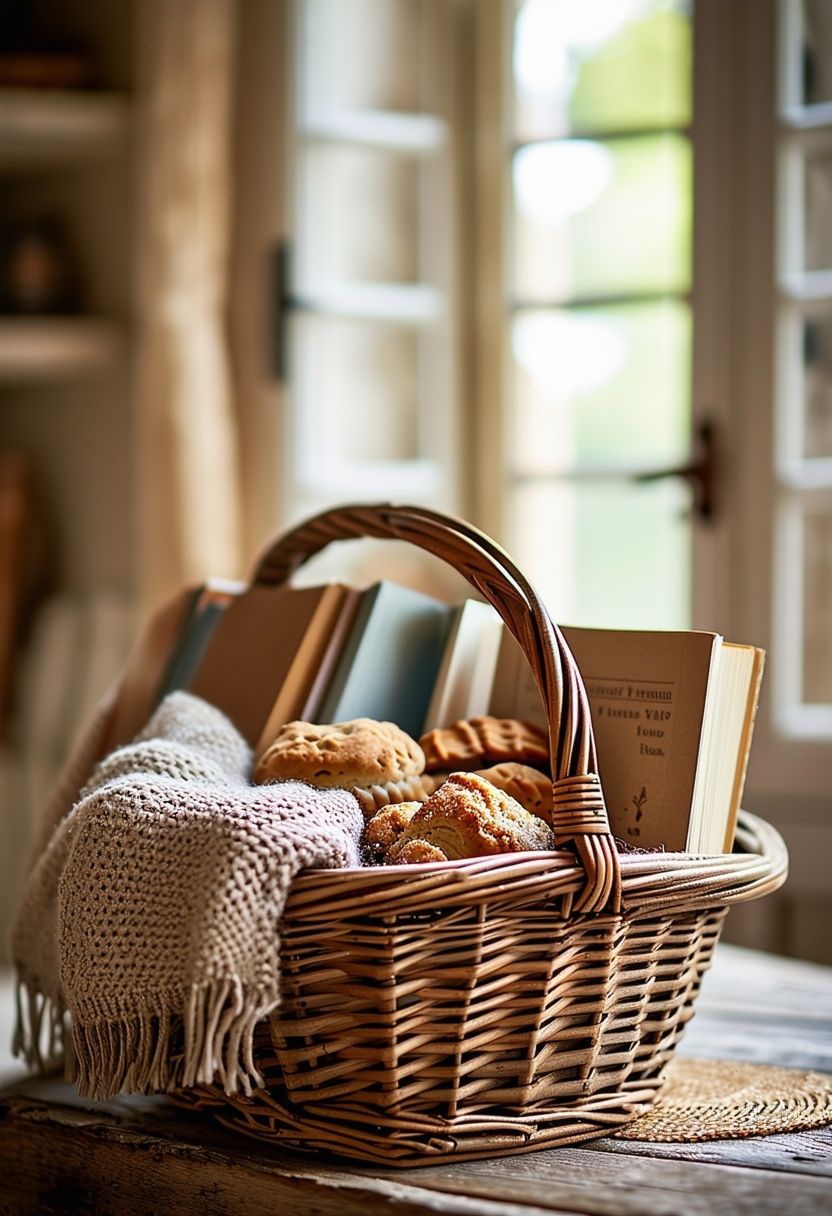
{"x":498,"y":1005}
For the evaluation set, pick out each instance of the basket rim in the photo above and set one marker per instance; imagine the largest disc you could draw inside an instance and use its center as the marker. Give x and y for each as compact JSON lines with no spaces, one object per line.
{"x":758,"y":828}
{"x":649,"y":879}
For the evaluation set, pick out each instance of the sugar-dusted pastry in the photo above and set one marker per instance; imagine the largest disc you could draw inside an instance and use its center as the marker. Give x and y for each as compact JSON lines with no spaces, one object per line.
{"x":474,"y":742}
{"x":417,"y":852}
{"x":410,"y":789}
{"x":362,"y":753}
{"x":470,"y":817}
{"x":531,"y":788}
{"x":386,"y":826}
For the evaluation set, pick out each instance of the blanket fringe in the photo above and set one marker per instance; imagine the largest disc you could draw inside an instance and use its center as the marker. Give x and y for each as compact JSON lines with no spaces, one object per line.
{"x":41,"y":1037}
{"x":211,"y":1041}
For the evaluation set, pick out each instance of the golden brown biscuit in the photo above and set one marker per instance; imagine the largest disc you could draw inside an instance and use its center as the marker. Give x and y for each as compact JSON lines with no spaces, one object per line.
{"x":470,"y":817}
{"x":417,"y":852}
{"x":529,"y":786}
{"x":360,"y":753}
{"x":411,"y":789}
{"x":387,"y":825}
{"x":469,"y":743}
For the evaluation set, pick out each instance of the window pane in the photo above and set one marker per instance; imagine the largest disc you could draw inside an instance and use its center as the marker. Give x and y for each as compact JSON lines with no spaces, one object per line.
{"x":818,"y":215}
{"x":817,"y":51}
{"x":601,"y":66}
{"x":362,"y":55}
{"x":817,"y":349}
{"x":601,"y":387}
{"x":609,"y":556}
{"x":599,"y":218}
{"x":817,"y":607}
{"x":360,"y":216}
{"x":357,"y":393}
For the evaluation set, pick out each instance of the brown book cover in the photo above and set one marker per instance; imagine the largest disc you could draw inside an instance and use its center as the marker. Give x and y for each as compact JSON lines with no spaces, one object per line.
{"x":314,"y":661}
{"x":329,"y":660}
{"x":147,"y":664}
{"x":251,"y":650}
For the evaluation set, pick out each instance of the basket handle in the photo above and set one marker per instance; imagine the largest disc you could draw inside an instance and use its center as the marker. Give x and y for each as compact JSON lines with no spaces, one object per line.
{"x":580,"y":814}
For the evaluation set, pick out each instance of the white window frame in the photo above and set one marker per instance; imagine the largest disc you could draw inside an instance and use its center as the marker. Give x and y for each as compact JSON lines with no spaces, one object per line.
{"x":745,"y":373}
{"x":792,"y":762}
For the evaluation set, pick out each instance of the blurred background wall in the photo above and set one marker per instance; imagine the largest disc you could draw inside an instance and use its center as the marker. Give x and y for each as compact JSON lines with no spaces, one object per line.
{"x":560,"y":266}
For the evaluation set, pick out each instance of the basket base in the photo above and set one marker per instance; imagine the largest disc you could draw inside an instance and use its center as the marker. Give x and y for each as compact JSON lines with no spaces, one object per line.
{"x":408,"y":1149}
{"x":404,"y":1144}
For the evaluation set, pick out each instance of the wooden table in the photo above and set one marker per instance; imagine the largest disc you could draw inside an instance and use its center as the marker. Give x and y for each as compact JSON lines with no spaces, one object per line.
{"x":59,"y":1153}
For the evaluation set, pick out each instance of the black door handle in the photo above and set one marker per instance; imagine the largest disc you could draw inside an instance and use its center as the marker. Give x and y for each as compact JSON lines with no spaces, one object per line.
{"x":700,"y":471}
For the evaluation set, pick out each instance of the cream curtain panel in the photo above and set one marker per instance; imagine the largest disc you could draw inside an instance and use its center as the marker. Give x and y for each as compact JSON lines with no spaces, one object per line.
{"x":187,"y":458}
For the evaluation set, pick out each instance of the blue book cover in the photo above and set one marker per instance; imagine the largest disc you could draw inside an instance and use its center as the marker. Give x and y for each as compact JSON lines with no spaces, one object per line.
{"x":389,"y":663}
{"x":191,"y":647}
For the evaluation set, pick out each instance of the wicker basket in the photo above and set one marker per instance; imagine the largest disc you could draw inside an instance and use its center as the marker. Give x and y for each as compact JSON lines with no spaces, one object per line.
{"x":503,"y":1004}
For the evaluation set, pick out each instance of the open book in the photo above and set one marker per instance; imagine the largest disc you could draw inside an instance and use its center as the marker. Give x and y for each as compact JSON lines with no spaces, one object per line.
{"x":673,"y":714}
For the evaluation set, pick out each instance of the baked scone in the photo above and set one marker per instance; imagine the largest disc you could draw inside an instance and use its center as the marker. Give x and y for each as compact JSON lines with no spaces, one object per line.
{"x":412,"y":789}
{"x":474,"y":742}
{"x":470,"y":817}
{"x":528,"y":785}
{"x":359,"y":754}
{"x":386,"y":826}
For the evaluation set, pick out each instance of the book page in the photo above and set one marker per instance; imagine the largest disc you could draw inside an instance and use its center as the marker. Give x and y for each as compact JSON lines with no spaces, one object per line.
{"x":751,"y":706}
{"x":514,"y":692}
{"x":463,"y":683}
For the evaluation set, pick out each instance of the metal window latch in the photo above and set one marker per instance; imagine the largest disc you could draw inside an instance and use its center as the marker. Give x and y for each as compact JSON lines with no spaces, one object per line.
{"x":701,"y":472}
{"x":282,"y":302}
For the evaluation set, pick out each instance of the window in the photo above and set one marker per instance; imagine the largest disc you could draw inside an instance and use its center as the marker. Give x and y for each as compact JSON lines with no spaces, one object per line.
{"x":531,"y":254}
{"x":597,"y":315}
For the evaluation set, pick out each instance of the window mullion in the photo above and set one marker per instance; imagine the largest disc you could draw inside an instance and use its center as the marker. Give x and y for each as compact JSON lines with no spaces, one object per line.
{"x":370,"y":305}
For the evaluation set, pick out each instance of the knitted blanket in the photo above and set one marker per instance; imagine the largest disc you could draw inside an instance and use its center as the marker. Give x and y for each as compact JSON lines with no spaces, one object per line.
{"x":151,"y":913}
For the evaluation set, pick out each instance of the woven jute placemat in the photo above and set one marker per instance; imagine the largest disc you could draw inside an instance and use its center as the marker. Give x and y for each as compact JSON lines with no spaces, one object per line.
{"x":728,"y":1100}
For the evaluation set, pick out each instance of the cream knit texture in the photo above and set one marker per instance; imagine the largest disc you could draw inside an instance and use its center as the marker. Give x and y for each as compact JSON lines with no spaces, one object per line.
{"x":151,"y":915}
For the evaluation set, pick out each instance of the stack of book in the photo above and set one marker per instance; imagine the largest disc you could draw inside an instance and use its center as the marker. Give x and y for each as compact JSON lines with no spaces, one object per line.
{"x":672,"y":712}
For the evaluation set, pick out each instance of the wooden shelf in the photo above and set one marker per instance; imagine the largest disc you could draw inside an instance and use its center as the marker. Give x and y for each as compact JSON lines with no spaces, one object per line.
{"x":43,"y":350}
{"x":42,"y":127}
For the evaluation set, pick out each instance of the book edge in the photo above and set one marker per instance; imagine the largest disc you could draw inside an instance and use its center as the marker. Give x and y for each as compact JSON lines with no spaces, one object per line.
{"x":294,"y":688}
{"x":744,"y":751}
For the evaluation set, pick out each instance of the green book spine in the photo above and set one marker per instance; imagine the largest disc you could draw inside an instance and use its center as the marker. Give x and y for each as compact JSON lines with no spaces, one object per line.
{"x":389,"y":664}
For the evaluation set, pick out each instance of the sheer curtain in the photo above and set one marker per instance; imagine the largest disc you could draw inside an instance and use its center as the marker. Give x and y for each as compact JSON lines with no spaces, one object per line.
{"x":187,"y":458}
